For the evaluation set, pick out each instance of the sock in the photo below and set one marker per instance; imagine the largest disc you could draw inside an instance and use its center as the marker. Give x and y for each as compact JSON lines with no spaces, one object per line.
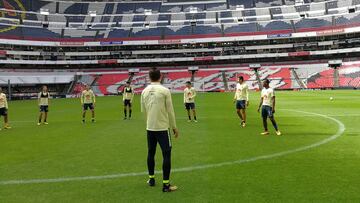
{"x":39,"y":120}
{"x":125,"y":113}
{"x":45,"y":120}
{"x":151,"y":176}
{"x":189,"y":117}
{"x":130,"y":111}
{"x":166,"y":182}
{"x":194,"y":117}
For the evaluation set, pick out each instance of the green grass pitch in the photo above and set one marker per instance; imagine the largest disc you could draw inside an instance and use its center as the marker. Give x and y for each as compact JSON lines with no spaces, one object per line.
{"x":66,"y":149}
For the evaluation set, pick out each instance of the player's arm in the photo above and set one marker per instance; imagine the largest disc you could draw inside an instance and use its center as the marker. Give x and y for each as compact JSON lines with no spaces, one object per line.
{"x":132,"y":95}
{"x":6,"y":103}
{"x":261,"y":101}
{"x":185,"y":96}
{"x":39,"y":98}
{"x":171,"y":114}
{"x":123,"y":93}
{"x":142,"y":105}
{"x":82,"y":98}
{"x":273,"y":104}
{"x":49,"y":98}
{"x":247,"y":96}
{"x":193,"y":93}
{"x":93,"y":98}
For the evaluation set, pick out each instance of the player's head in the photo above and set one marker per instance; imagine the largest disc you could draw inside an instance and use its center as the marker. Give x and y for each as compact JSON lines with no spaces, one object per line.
{"x":241,"y":79}
{"x":188,"y":84}
{"x":44,"y":88}
{"x":87,"y":87}
{"x":266,"y":83}
{"x":127,"y":84}
{"x":154,"y":75}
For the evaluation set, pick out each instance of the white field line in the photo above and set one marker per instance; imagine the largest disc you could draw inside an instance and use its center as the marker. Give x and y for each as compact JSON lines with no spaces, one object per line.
{"x":341,"y":129}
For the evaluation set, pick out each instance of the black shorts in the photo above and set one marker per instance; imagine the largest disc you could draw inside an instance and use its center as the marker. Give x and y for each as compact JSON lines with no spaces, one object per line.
{"x":161,"y":137}
{"x":127,"y":102}
{"x":189,"y":106}
{"x":266,"y":111}
{"x":44,"y":108}
{"x":3,"y":111}
{"x":88,"y":106}
{"x":240,"y":104}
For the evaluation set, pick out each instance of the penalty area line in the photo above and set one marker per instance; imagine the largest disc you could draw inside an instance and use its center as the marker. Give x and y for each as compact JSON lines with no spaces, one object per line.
{"x":340,"y":131}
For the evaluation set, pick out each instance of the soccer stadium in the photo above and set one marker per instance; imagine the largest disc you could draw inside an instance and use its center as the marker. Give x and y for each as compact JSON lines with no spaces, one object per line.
{"x":179,"y":101}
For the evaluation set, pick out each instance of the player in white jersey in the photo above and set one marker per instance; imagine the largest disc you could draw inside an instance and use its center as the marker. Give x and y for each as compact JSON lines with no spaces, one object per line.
{"x":156,"y":104}
{"x":128,"y":95}
{"x":43,"y":102}
{"x":189,"y":100}
{"x":88,"y":102}
{"x":242,"y":100}
{"x":267,"y":105}
{"x":4,"y":109}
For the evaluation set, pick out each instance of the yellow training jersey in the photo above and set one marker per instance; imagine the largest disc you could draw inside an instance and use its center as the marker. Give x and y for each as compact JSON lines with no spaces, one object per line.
{"x":267,"y":96}
{"x":189,"y":95}
{"x":44,"y":98}
{"x":3,"y":101}
{"x":242,"y":92}
{"x":156,"y":104}
{"x":87,"y":97}
{"x":128,"y":93}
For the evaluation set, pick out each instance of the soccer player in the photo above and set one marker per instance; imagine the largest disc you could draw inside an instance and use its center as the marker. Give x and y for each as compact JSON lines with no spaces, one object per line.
{"x":43,"y":101}
{"x":128,"y":95}
{"x":189,"y":100}
{"x":267,"y":105}
{"x":242,"y":100}
{"x":156,"y":104}
{"x":88,"y":102}
{"x":4,"y":109}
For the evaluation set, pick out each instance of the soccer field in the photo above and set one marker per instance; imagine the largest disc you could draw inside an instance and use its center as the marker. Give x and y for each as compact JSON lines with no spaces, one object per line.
{"x":317,"y":158}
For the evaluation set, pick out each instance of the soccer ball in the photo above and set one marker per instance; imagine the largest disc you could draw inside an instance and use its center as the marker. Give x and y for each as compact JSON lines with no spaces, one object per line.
{"x":331,"y":98}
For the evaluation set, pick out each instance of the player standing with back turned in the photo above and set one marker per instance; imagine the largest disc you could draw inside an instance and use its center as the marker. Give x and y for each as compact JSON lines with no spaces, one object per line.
{"x":189,"y":100}
{"x":128,"y":95}
{"x":156,"y":104}
{"x":267,"y":105}
{"x":242,"y":100}
{"x":88,"y":102}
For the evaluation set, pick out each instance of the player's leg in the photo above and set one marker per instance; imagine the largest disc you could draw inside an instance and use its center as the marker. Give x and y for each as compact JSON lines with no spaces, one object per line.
{"x":165,"y":144}
{"x":264,"y":115}
{"x":45,"y":117}
{"x":194,"y":111}
{"x":92,"y":114}
{"x":238,"y":108}
{"x":125,"y":110}
{"x":40,"y":115}
{"x":272,"y":119}
{"x":243,"y":115}
{"x":187,"y":107}
{"x":152,"y":142}
{"x":6,"y":120}
{"x":84,"y":112}
{"x":130,"y":110}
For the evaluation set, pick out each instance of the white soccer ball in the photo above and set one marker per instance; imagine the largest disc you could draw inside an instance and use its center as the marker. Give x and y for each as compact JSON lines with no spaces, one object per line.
{"x":331,"y":98}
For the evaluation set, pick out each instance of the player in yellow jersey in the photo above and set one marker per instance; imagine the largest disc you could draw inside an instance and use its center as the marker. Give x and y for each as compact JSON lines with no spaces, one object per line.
{"x":242,"y":100}
{"x":43,"y":101}
{"x":88,"y":102}
{"x":267,"y":105}
{"x":189,"y":100}
{"x":128,"y":95}
{"x":4,"y":109}
{"x":156,"y":104}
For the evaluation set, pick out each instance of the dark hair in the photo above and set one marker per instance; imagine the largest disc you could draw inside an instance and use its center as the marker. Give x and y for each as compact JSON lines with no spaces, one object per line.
{"x":188,"y":82}
{"x":127,"y":82}
{"x":267,"y":81}
{"x":154,"y":74}
{"x":241,"y":78}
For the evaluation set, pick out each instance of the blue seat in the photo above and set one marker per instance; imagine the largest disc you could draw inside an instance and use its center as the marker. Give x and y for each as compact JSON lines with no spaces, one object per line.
{"x":312,"y":23}
{"x":244,"y":27}
{"x":119,"y":33}
{"x":213,"y":29}
{"x":184,"y":30}
{"x":275,"y":25}
{"x":146,"y":32}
